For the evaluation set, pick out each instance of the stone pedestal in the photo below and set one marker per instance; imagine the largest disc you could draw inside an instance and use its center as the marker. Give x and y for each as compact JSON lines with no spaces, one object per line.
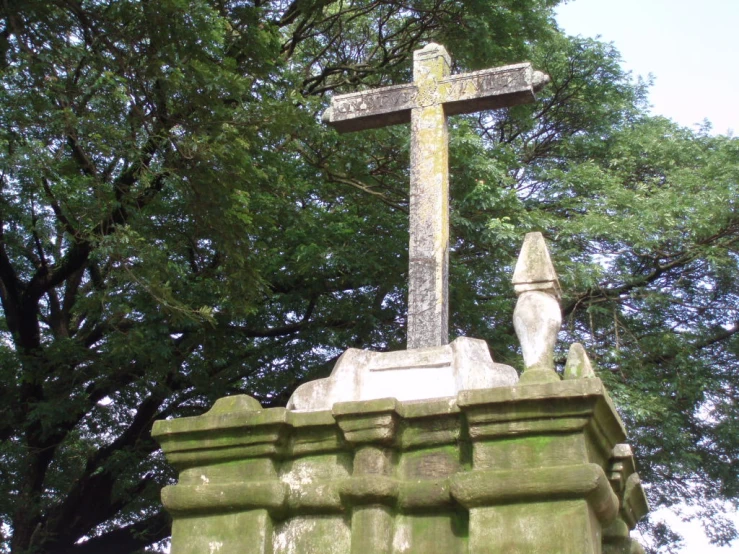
{"x":521,"y":469}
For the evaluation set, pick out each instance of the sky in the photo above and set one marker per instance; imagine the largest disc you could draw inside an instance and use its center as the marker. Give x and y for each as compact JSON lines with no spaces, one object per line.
{"x":690,"y":47}
{"x":691,"y":50}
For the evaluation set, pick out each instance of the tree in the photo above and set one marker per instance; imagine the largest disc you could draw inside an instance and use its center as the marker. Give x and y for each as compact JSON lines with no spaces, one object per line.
{"x":177,"y":225}
{"x":662,"y":313}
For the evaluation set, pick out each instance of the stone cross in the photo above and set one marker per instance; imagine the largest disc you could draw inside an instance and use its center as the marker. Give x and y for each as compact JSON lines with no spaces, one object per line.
{"x":425,"y":103}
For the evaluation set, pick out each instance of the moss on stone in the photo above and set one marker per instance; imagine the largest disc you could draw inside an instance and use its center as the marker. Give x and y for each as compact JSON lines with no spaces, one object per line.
{"x":384,"y":476}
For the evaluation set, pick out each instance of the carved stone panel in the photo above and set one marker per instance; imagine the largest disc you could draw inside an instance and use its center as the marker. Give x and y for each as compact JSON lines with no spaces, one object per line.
{"x":371,"y":109}
{"x":488,"y":89}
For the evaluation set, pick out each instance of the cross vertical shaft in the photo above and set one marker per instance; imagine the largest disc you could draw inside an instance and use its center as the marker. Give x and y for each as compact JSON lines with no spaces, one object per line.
{"x":426,"y":103}
{"x":428,"y":306}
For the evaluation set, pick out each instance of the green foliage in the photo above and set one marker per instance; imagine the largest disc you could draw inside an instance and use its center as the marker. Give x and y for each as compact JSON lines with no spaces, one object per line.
{"x":177,"y":225}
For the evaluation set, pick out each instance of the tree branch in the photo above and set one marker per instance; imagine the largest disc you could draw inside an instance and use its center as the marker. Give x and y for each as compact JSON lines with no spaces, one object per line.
{"x":125,"y":540}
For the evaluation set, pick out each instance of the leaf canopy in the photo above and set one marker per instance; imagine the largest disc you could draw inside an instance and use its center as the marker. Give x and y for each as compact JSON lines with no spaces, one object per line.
{"x":176,"y":225}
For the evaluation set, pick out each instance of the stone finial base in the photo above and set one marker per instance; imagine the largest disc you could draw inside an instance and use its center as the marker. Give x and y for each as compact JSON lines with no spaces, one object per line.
{"x":537,"y":317}
{"x":418,"y":374}
{"x":536,"y":468}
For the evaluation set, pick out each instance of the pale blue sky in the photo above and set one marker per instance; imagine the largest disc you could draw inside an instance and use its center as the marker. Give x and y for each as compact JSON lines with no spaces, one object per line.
{"x":691,"y":48}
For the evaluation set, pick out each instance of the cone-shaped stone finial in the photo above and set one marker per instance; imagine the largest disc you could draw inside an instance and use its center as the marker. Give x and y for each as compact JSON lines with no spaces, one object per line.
{"x":578,"y":364}
{"x":537,"y":317}
{"x":534,"y":269}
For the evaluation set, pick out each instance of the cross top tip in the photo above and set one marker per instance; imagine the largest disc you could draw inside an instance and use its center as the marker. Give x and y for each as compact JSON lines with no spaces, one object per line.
{"x":432,"y":50}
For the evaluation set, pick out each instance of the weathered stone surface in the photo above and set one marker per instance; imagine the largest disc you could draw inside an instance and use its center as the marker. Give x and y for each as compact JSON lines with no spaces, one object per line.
{"x":435,"y":422}
{"x":422,"y":495}
{"x":223,"y":533}
{"x":634,"y":503}
{"x":616,"y":540}
{"x":370,"y":490}
{"x":534,"y":269}
{"x":426,"y":103}
{"x":487,"y":89}
{"x":537,"y":317}
{"x":240,"y":471}
{"x":626,"y":484}
{"x":431,"y":533}
{"x":372,"y":530}
{"x":430,"y":463}
{"x":561,"y":526}
{"x":513,"y":427}
{"x":484,"y":488}
{"x":622,"y":465}
{"x":195,"y":499}
{"x":373,"y":422}
{"x":313,"y":483}
{"x":491,"y":89}
{"x":420,"y":374}
{"x":370,"y":109}
{"x":536,"y":468}
{"x":428,"y":250}
{"x":317,"y":533}
{"x":578,"y":364}
{"x":236,"y":403}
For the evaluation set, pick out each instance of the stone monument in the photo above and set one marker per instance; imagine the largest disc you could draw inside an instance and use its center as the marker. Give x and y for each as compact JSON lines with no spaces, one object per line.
{"x":432,"y":450}
{"x":426,"y":103}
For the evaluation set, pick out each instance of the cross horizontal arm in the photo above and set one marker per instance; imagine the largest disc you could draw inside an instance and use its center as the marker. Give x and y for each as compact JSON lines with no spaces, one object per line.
{"x":370,"y":109}
{"x":433,"y":95}
{"x":501,"y":87}
{"x":489,"y":89}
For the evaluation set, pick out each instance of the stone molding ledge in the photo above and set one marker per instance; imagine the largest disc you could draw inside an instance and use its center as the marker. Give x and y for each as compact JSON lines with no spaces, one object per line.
{"x":251,"y":431}
{"x":478,"y":465}
{"x":467,"y":489}
{"x":408,"y":375}
{"x":491,"y":488}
